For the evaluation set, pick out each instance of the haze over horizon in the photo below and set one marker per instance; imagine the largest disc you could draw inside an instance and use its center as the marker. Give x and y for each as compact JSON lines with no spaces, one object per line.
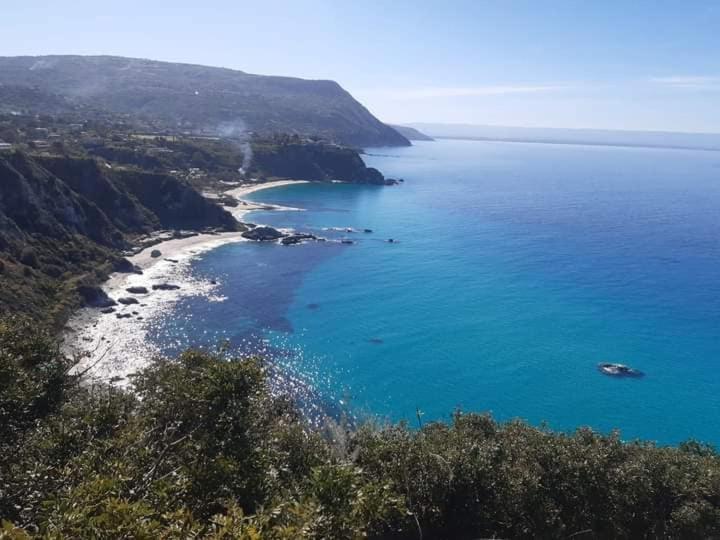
{"x":640,"y":66}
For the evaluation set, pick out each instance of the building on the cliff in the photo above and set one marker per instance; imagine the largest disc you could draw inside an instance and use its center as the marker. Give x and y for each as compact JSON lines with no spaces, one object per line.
{"x":5,"y":147}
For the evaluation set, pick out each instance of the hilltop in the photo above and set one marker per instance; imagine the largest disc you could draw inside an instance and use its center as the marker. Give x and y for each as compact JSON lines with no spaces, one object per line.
{"x":191,"y":97}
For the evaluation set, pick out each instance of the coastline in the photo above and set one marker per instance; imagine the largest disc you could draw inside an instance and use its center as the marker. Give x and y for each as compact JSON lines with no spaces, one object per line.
{"x":245,"y":207}
{"x":111,"y":346}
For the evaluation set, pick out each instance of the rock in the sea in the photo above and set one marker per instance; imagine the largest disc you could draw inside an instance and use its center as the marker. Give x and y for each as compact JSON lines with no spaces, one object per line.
{"x":165,"y":287}
{"x":95,"y":296}
{"x":347,"y":241}
{"x":137,"y":290}
{"x":367,"y":230}
{"x":174,"y":261}
{"x":123,"y":315}
{"x":107,"y":310}
{"x":297,"y":238}
{"x":128,"y":300}
{"x":155,"y":253}
{"x":263,"y":234}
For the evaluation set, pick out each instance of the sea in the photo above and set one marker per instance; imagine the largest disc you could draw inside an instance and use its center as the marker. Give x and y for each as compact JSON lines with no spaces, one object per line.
{"x":514,"y":270}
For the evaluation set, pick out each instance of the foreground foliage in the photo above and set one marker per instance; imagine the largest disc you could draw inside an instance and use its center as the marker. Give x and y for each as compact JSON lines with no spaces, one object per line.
{"x":202,"y":449}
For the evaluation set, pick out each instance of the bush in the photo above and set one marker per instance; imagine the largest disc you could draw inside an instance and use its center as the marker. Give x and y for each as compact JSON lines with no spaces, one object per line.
{"x":202,"y":448}
{"x":28,"y":257}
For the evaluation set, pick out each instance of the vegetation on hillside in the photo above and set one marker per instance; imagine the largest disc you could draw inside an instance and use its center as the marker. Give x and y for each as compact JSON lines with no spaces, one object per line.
{"x":213,"y":100}
{"x":200,"y":448}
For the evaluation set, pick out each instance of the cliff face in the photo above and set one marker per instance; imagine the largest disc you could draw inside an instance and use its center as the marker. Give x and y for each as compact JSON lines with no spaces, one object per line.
{"x":174,"y":203}
{"x":312,"y":161}
{"x":35,"y":202}
{"x":63,"y":222}
{"x":85,"y":177}
{"x":217,"y":99}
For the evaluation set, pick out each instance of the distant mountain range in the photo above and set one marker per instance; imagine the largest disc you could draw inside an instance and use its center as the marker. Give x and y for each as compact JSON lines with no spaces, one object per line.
{"x":195,"y":97}
{"x":650,"y":139}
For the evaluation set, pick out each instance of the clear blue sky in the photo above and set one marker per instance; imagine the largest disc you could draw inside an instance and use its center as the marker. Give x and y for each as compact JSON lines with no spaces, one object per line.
{"x":630,"y":64}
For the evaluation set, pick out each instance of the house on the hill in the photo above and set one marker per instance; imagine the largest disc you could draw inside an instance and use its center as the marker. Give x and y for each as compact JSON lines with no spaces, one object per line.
{"x":5,"y":147}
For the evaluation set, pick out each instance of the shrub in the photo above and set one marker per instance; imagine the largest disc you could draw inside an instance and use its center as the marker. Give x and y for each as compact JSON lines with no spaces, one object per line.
{"x":28,"y":257}
{"x":202,"y":448}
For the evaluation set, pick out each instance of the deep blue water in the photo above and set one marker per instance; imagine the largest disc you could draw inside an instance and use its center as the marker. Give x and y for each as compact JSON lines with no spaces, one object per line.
{"x":519,"y":267}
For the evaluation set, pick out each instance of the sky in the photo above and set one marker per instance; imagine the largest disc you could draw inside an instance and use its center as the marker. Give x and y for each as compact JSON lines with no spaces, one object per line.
{"x":630,"y":64}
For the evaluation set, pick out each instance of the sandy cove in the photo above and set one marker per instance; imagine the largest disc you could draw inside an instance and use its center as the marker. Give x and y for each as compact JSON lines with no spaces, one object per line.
{"x":245,"y":206}
{"x":112,"y":346}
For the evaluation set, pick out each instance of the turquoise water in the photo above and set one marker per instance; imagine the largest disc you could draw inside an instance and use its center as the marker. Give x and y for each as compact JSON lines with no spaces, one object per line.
{"x":518,"y":268}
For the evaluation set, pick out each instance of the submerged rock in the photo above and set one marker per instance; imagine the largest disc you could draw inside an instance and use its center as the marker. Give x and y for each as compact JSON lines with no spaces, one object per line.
{"x":128,"y":300}
{"x":619,"y":370}
{"x":155,"y":253}
{"x":107,"y":310}
{"x":123,"y":315}
{"x":263,"y":234}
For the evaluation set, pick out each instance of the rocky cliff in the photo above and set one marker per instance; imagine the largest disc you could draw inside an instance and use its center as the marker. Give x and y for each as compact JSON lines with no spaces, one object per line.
{"x":64,"y":222}
{"x":304,"y":160}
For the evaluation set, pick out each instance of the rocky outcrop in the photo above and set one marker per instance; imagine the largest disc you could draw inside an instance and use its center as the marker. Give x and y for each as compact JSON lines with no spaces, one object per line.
{"x":263,"y":234}
{"x":95,"y":297}
{"x":289,"y":157}
{"x":297,"y":238}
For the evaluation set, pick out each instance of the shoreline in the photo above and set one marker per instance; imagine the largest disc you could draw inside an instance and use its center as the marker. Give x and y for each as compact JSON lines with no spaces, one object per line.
{"x":88,"y":333}
{"x":178,"y":247}
{"x":245,"y":207}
